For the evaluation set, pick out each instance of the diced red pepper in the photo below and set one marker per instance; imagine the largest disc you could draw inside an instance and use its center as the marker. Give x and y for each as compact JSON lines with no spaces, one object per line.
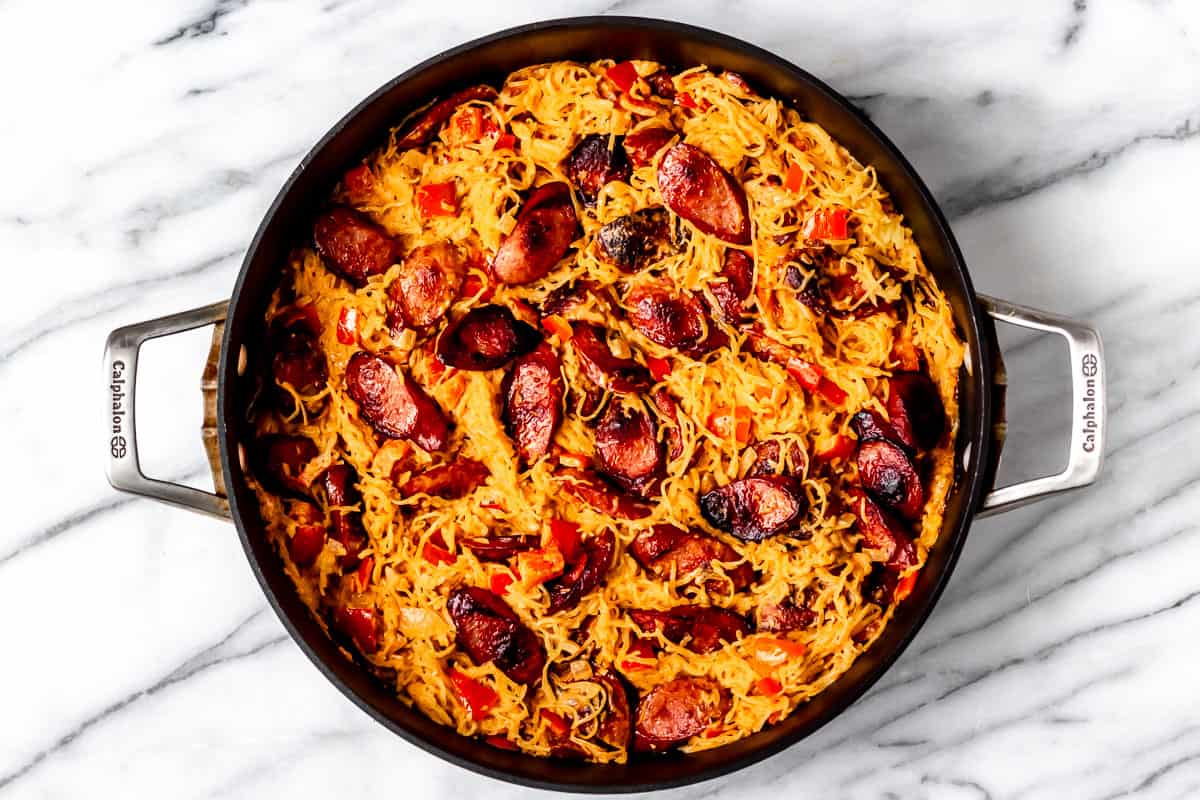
{"x":659,"y":367}
{"x":558,"y":326}
{"x":833,"y":394}
{"x":363,"y":575}
{"x":686,"y":100}
{"x":477,"y":698}
{"x":359,"y":624}
{"x":772,"y":651}
{"x":347,"y":327}
{"x":639,"y":649}
{"x":806,"y":373}
{"x":505,"y":141}
{"x":500,"y":742}
{"x":493,"y":506}
{"x":725,"y":423}
{"x":437,"y":200}
{"x":469,"y":122}
{"x":904,"y":587}
{"x":768,"y":686}
{"x":623,"y":74}
{"x":827,"y":223}
{"x":557,"y":724}
{"x":795,"y":178}
{"x":437,"y":555}
{"x":566,"y":537}
{"x":500,"y":582}
{"x":359,"y":183}
{"x":306,"y":544}
{"x":842,"y":447}
{"x":539,"y":566}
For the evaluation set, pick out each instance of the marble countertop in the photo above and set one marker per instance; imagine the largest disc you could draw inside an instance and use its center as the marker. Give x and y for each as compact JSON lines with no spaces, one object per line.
{"x":140,"y":146}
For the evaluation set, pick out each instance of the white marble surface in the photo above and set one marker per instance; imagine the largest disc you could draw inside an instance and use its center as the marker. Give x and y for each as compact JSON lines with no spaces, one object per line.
{"x":141,"y":142}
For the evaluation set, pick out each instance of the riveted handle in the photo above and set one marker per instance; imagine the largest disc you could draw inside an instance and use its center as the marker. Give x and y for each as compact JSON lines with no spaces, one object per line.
{"x":1086,"y":450}
{"x":120,"y":378}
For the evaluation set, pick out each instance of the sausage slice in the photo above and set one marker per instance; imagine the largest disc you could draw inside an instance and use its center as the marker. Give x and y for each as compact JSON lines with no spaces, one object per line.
{"x":298,"y":360}
{"x":585,"y":573}
{"x":345,"y":524}
{"x":619,"y":375}
{"x":449,"y":481}
{"x":642,"y":146}
{"x":779,"y":457}
{"x":488,"y":630}
{"x":636,"y":240}
{"x":283,"y":460}
{"x":705,"y":628}
{"x":431,"y":278}
{"x":784,"y":616}
{"x":393,"y":404}
{"x":666,"y":550}
{"x":423,"y":129}
{"x":672,"y":318}
{"x":533,"y":399}
{"x":696,"y":188}
{"x":669,"y":410}
{"x":589,"y":488}
{"x":308,"y":540}
{"x":883,"y":532}
{"x":628,"y":449}
{"x":500,"y":548}
{"x":868,"y":425}
{"x":753,"y":509}
{"x":353,"y":246}
{"x":486,"y":337}
{"x":545,"y":228}
{"x":888,"y":474}
{"x":593,"y":163}
{"x":916,"y":409}
{"x":675,"y":711}
{"x":734,"y":289}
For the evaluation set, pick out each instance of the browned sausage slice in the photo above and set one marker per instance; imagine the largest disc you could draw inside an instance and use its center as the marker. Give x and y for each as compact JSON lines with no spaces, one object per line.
{"x":500,"y":548}
{"x":592,"y":490}
{"x":675,"y":711}
{"x":783,"y":617}
{"x":868,"y":425}
{"x":696,"y":188}
{"x":545,"y":228}
{"x":533,"y":399}
{"x":769,"y":458}
{"x":486,"y":337}
{"x":619,"y":375}
{"x":283,"y":460}
{"x":423,"y":129}
{"x":393,"y":404}
{"x":346,"y":524}
{"x":881,"y":531}
{"x":669,"y":410}
{"x":429,"y":282}
{"x":298,"y":360}
{"x":569,"y":297}
{"x":642,"y":146}
{"x":666,"y":550}
{"x":309,"y":538}
{"x":585,"y":573}
{"x":737,"y":284}
{"x":593,"y":163}
{"x":488,"y":630}
{"x":886,"y":471}
{"x":671,"y":318}
{"x":627,"y":447}
{"x":636,"y":240}
{"x":755,"y":508}
{"x":617,"y":724}
{"x":706,"y":628}
{"x":916,"y":409}
{"x":353,"y":246}
{"x":449,"y":481}
{"x":661,"y":83}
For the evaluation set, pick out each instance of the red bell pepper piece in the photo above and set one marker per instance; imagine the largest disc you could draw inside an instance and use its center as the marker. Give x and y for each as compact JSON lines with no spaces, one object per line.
{"x":623,"y":74}
{"x":505,"y":141}
{"x":477,"y":698}
{"x":807,"y":373}
{"x":842,"y":447}
{"x":827,"y":224}
{"x":359,"y":623}
{"x":359,"y":183}
{"x":833,"y":393}
{"x":437,"y":555}
{"x":437,"y":200}
{"x":904,"y":587}
{"x":500,"y":742}
{"x":500,"y":582}
{"x":558,"y":326}
{"x":363,"y":574}
{"x":639,"y":649}
{"x":769,"y":687}
{"x":659,"y":368}
{"x":566,"y":537}
{"x":469,"y":122}
{"x":795,"y":178}
{"x":347,"y":327}
{"x":557,"y":724}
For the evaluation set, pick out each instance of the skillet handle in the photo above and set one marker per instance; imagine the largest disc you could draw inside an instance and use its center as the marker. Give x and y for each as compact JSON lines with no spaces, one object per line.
{"x":1086,"y":453}
{"x":120,"y":377}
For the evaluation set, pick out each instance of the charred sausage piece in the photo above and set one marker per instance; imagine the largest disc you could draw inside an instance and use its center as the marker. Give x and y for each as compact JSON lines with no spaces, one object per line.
{"x":568,"y":298}
{"x":661,"y":83}
{"x":544,"y":231}
{"x":585,"y":574}
{"x":360,"y":624}
{"x":486,"y":337}
{"x":879,"y":587}
{"x":345,"y":524}
{"x":675,"y":711}
{"x":628,"y":449}
{"x":500,"y":548}
{"x":283,"y":460}
{"x":589,"y":488}
{"x":669,"y":409}
{"x":783,"y":617}
{"x":696,"y":188}
{"x":488,"y":630}
{"x":422,"y":131}
{"x":393,"y":404}
{"x":617,"y":724}
{"x":672,"y":319}
{"x":769,"y":458}
{"x":308,"y":540}
{"x":619,"y":375}
{"x":353,"y":246}
{"x":448,"y":481}
{"x":888,"y":474}
{"x":431,"y":278}
{"x":707,"y":628}
{"x":868,"y":425}
{"x":883,"y":532}
{"x":754,"y":508}
{"x":645,"y":144}
{"x":533,"y":400}
{"x":737,"y":284}
{"x":636,"y":240}
{"x":916,"y":409}
{"x":298,"y":359}
{"x":666,"y":550}
{"x":593,"y":163}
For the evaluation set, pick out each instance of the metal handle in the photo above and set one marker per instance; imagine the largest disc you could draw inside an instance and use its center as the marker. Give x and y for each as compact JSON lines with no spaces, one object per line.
{"x":120,"y":376}
{"x":1086,"y":453}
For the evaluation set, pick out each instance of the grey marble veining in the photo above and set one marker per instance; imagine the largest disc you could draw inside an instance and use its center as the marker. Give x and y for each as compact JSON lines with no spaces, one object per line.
{"x":142,"y":142}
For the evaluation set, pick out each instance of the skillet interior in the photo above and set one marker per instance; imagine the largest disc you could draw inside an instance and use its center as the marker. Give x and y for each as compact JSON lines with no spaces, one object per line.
{"x":490,"y":59}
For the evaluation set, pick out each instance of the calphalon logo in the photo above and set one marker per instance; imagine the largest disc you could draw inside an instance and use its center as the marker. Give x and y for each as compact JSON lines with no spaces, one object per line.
{"x":1089,"y":367}
{"x":117,"y":387}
